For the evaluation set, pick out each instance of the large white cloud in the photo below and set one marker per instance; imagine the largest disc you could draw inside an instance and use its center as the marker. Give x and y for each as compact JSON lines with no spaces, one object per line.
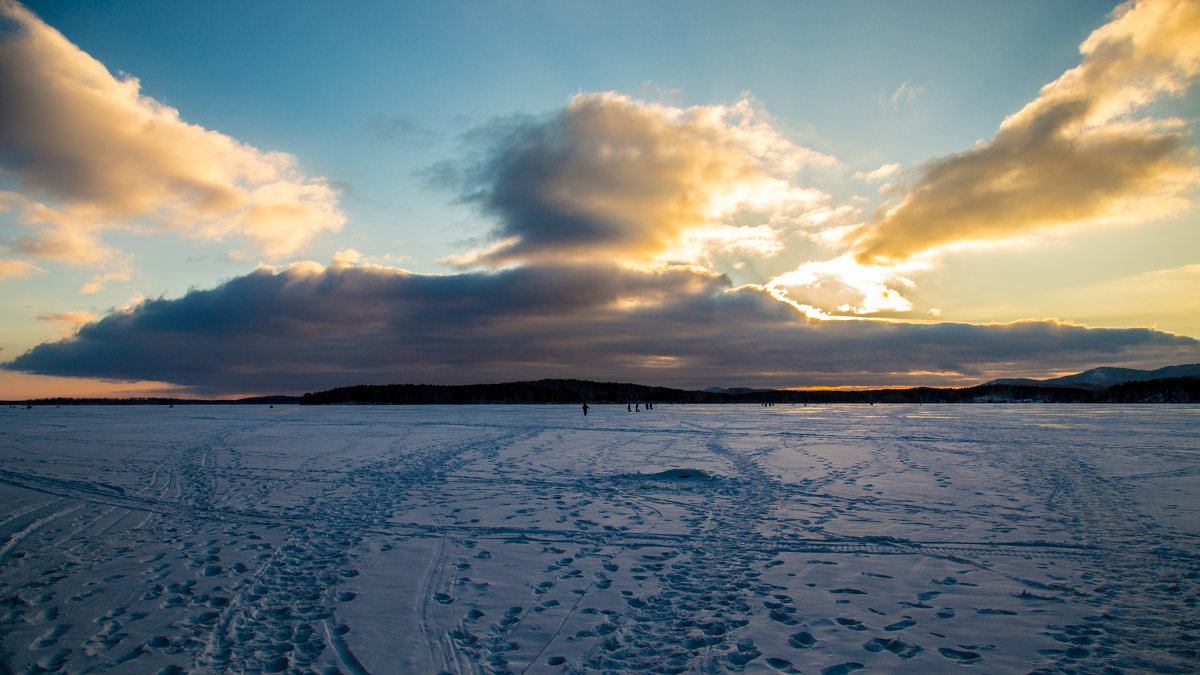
{"x":90,"y":152}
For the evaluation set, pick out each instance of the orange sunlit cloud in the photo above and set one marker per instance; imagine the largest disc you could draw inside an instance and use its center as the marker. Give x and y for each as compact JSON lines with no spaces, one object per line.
{"x":18,"y":269}
{"x":1071,"y":156}
{"x":611,"y":177}
{"x":92,"y":153}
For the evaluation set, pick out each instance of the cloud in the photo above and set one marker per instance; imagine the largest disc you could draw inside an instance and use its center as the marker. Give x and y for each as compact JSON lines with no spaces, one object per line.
{"x":885,"y":171}
{"x":310,"y":327}
{"x":842,"y":285}
{"x":69,"y":321}
{"x":905,"y":93}
{"x":71,"y":318}
{"x":90,"y":153}
{"x":609,"y":177}
{"x":347,"y":256}
{"x":1073,"y":155}
{"x":122,"y":271}
{"x":17,"y":269}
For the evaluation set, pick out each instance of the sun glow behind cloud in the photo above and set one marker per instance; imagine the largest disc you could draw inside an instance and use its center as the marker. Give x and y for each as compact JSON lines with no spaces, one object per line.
{"x":848,"y":286}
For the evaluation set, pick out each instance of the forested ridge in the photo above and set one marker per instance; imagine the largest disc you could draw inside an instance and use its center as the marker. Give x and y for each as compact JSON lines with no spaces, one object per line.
{"x":1171,"y":390}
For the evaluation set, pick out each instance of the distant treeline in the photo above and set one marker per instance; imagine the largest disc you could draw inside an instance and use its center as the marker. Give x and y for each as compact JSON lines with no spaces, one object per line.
{"x":156,"y":400}
{"x":1172,"y":390}
{"x":540,"y":391}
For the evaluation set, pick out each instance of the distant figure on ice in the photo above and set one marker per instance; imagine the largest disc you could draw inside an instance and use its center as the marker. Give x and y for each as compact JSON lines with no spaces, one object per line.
{"x":585,"y":410}
{"x":637,"y":407}
{"x":628,"y":407}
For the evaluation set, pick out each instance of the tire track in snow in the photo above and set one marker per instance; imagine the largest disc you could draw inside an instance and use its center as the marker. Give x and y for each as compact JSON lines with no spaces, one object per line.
{"x":300,"y":582}
{"x":15,"y":539}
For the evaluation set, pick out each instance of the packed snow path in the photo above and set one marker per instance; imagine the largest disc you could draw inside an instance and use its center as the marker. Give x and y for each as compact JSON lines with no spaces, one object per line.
{"x":493,"y":539}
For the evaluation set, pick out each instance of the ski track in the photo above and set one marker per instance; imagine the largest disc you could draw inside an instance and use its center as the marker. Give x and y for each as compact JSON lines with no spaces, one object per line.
{"x":528,"y":539}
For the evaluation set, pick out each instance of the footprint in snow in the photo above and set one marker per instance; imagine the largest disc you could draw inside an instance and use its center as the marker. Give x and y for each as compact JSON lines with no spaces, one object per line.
{"x":898,"y":647}
{"x":961,"y":655}
{"x":901,"y":625}
{"x":781,"y":665}
{"x":842,"y":668}
{"x":802,"y":640}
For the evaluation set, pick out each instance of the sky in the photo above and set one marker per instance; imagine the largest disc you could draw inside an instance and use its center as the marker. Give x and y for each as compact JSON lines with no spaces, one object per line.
{"x":223,"y":199}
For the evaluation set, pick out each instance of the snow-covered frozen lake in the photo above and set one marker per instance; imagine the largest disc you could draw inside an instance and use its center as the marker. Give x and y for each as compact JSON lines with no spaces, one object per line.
{"x":815,"y":539}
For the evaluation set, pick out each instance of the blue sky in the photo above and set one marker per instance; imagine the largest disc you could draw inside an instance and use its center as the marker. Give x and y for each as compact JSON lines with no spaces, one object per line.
{"x":409,"y":129}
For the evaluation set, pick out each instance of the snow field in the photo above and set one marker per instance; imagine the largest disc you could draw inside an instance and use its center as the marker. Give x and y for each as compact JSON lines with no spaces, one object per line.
{"x":815,"y":539}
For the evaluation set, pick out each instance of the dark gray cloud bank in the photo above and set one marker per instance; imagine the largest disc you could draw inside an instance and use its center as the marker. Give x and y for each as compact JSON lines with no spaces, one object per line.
{"x":308,"y":328}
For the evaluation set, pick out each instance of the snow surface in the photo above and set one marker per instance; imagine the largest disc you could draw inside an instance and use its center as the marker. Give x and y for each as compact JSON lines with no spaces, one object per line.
{"x":816,"y":539}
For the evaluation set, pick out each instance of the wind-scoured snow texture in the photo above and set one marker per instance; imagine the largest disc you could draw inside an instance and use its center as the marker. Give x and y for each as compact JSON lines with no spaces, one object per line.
{"x":816,"y":539}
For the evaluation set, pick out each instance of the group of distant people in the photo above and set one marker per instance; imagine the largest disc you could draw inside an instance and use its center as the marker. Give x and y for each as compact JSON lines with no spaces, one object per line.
{"x":629,"y":407}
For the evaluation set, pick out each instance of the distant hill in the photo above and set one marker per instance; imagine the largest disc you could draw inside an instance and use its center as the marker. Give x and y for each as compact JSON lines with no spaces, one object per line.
{"x":1168,"y":390}
{"x":537,"y":391}
{"x":1104,"y":377}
